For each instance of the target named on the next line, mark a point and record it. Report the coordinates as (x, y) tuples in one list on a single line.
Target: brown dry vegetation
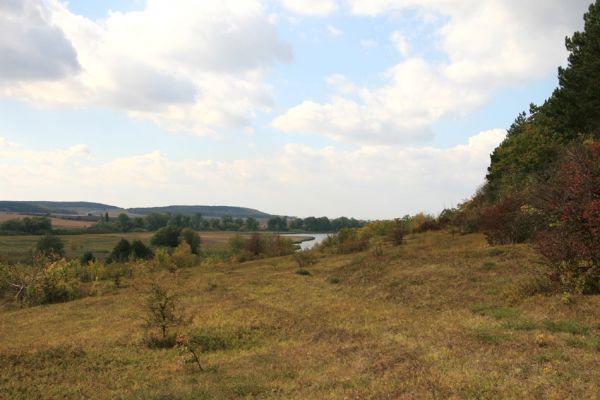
[(439, 317)]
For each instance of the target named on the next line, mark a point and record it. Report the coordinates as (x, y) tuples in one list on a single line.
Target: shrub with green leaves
[(166, 237), (50, 246)]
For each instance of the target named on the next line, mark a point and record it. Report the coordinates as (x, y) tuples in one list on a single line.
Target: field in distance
[(60, 223), (16, 248)]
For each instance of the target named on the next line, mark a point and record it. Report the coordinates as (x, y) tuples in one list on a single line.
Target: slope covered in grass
[(440, 317)]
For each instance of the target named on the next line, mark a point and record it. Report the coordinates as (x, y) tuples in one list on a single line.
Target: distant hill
[(74, 208), (55, 207), (206, 211)]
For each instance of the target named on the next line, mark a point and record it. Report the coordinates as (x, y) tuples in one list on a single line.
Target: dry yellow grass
[(436, 318)]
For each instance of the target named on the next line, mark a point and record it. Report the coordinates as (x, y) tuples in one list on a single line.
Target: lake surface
[(309, 244)]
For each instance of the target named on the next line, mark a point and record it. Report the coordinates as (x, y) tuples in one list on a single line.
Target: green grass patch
[(572, 327), (494, 252), (489, 335), (549, 356), (334, 280), (575, 342), (303, 271), (495, 311), (221, 339), (519, 324), (488, 266)]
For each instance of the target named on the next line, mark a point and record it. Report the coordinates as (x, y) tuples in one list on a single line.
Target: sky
[(361, 108)]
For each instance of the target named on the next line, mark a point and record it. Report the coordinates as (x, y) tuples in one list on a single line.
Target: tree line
[(156, 221)]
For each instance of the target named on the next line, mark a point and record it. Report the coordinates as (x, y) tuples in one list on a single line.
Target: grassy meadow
[(440, 317)]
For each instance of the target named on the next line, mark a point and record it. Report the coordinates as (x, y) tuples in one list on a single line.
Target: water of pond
[(309, 244)]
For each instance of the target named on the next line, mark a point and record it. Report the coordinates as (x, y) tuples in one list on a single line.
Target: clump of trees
[(156, 221), (27, 226), (320, 224), (125, 251), (259, 246), (172, 236)]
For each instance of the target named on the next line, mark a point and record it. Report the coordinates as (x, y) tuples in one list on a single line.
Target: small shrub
[(121, 251), (396, 232), (162, 312), (50, 246), (304, 258), (334, 280), (190, 348), (349, 241), (236, 243), (87, 258), (254, 245), (510, 221), (162, 260), (140, 251), (183, 257), (377, 250), (303, 271), (192, 238)]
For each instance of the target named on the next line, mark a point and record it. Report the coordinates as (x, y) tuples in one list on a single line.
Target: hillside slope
[(439, 317), (84, 207), (56, 207)]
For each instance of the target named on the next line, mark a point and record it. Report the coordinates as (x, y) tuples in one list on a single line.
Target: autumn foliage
[(571, 204)]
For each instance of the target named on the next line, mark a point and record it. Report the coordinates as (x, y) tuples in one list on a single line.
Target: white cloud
[(31, 46), (494, 42), (488, 45), (400, 43), (368, 43), (5, 143), (414, 96), (342, 84), (187, 68), (369, 182), (333, 31), (315, 8)]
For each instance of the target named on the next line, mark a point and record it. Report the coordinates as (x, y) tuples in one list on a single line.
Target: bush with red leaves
[(511, 220), (571, 202)]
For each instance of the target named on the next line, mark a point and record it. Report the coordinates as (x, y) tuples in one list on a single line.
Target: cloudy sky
[(364, 108)]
